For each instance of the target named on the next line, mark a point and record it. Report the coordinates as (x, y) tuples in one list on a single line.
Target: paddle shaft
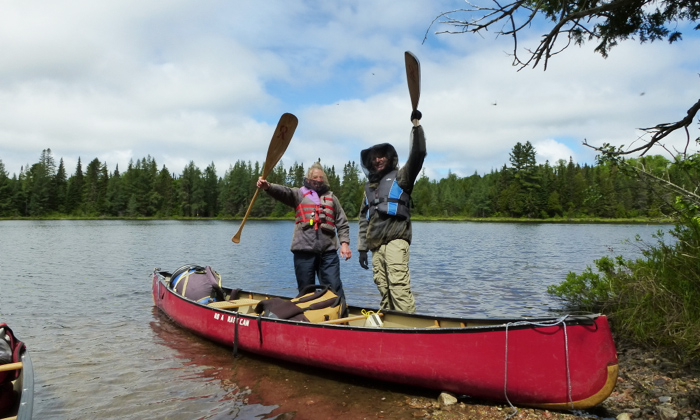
[(237, 237), (278, 145)]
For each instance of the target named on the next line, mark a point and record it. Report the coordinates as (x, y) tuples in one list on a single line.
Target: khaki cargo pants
[(391, 275)]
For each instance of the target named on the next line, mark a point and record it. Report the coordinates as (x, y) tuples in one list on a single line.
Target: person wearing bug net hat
[(385, 217)]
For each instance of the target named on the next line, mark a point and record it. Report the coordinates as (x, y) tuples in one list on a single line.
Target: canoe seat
[(233, 304)]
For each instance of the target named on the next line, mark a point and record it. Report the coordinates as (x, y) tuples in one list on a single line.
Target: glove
[(363, 260), (416, 115)]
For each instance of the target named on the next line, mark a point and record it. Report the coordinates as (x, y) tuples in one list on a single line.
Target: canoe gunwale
[(26, 401), (494, 324)]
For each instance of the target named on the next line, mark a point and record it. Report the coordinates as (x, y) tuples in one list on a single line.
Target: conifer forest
[(520, 189)]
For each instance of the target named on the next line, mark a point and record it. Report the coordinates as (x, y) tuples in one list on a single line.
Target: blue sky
[(206, 81)]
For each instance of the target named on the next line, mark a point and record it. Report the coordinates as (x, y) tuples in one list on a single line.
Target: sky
[(206, 82)]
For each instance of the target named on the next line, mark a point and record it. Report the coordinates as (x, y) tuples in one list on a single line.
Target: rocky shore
[(649, 386)]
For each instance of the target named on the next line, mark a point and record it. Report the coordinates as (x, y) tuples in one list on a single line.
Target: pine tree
[(191, 191), (451, 197), (165, 193), (235, 189), (296, 175), (526, 181), (116, 199), (74, 196), (95, 188), (423, 196), (333, 179), (6, 208), (351, 190), (20, 194), (481, 195), (40, 185), (211, 192), (60, 187)]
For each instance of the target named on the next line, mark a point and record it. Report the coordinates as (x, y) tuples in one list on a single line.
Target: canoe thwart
[(10, 366), (347, 319), (233, 304)]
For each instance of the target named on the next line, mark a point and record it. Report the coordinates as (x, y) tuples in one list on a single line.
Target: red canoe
[(569, 362)]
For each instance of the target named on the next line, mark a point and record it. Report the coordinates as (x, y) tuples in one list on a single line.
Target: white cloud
[(552, 151), (206, 82)]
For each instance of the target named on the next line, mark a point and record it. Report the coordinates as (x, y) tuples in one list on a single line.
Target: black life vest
[(314, 211), (387, 198)]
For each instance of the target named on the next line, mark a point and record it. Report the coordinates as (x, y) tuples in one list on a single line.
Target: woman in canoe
[(321, 227)]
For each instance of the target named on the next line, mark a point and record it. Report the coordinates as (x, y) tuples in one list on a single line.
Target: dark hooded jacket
[(381, 229)]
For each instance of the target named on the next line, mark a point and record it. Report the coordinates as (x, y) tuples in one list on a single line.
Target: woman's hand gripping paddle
[(413, 78), (278, 145)]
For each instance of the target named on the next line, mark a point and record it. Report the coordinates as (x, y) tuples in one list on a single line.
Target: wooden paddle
[(278, 145), (413, 78)]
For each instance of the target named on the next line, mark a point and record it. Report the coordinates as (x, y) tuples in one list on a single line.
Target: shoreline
[(592, 221)]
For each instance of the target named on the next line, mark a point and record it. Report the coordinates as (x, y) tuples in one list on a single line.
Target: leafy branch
[(579, 20)]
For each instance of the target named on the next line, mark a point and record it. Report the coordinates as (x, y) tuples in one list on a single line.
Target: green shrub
[(653, 300)]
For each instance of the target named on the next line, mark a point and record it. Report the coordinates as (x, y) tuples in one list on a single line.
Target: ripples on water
[(501, 270), (78, 293)]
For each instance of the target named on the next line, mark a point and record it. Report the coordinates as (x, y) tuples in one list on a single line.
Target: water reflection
[(247, 387), (213, 385)]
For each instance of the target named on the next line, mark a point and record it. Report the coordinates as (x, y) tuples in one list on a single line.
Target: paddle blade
[(413, 78), (280, 140)]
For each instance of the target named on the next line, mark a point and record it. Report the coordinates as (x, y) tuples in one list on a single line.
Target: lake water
[(78, 293)]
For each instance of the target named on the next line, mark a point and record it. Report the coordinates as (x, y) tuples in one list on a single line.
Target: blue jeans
[(307, 265)]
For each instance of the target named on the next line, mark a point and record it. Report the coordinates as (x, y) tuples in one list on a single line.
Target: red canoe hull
[(561, 365)]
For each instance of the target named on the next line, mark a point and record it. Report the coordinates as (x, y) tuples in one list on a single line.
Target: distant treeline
[(522, 189)]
